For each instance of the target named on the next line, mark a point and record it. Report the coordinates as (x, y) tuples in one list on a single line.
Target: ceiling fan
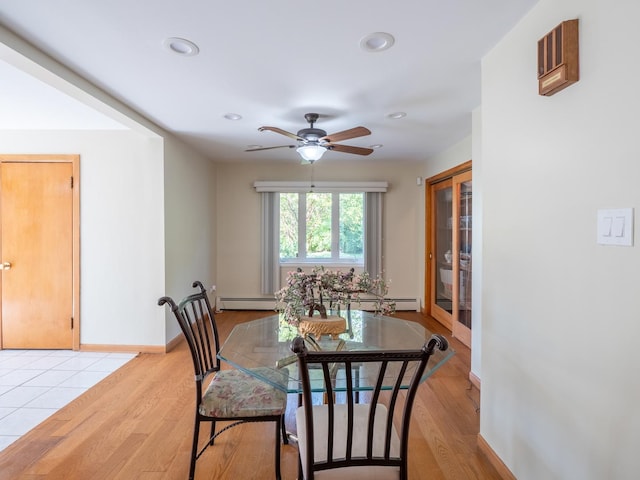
[(313, 142)]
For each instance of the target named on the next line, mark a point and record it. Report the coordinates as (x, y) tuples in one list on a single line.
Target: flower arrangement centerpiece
[(305, 291)]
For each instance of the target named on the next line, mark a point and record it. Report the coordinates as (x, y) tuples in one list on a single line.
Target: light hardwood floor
[(137, 424)]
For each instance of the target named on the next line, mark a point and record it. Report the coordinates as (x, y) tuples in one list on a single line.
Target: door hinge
[(71, 182), (71, 323)]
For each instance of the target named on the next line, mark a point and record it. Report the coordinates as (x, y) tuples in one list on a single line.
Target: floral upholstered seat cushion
[(234, 393)]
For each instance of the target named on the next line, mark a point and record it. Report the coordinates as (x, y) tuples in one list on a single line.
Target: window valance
[(328, 187)]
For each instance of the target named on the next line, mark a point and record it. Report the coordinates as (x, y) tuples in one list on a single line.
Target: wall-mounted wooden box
[(558, 59)]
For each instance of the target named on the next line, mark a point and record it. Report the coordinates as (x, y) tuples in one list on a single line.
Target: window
[(322, 226), (355, 242)]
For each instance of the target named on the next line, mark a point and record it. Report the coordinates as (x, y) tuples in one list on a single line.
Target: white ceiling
[(269, 61)]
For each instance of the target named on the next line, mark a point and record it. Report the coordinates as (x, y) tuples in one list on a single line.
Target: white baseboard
[(261, 303), (226, 303)]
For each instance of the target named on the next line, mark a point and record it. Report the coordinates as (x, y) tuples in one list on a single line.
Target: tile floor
[(34, 384)]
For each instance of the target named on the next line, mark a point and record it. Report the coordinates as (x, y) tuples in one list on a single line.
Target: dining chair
[(354, 440), (224, 395)]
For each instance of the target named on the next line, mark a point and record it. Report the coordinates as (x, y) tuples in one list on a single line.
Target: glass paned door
[(462, 240), (449, 253), (441, 252)]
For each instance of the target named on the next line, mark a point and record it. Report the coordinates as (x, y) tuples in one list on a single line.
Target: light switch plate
[(615, 226)]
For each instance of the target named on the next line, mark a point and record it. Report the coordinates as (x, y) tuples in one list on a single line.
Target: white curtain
[(270, 230), (373, 233)]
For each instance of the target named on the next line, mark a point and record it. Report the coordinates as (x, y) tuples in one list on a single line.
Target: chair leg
[(300, 474), (278, 430), (194, 448), (213, 431), (283, 430), (357, 375)]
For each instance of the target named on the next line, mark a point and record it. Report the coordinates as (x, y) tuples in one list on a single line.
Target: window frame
[(303, 258)]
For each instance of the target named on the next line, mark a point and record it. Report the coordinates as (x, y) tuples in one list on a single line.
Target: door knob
[(6, 266)]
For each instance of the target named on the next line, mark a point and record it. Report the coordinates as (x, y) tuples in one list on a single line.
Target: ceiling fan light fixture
[(311, 153)]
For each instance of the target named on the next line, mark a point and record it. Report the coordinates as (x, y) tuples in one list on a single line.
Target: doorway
[(448, 251), (39, 247)]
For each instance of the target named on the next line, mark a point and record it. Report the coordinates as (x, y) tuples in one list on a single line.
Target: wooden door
[(462, 265), (440, 252), (448, 251), (37, 217)]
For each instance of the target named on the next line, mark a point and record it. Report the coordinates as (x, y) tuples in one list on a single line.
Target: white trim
[(329, 187)]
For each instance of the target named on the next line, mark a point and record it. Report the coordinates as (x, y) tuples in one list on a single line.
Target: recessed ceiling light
[(376, 145), (252, 147), (377, 42), (233, 116), (180, 46), (397, 115)]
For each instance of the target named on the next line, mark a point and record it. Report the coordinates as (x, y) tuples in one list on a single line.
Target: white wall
[(477, 246), (189, 188), (146, 228), (560, 314), (121, 229), (238, 209), (451, 157)]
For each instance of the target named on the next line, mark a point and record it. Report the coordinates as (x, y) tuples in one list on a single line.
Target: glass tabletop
[(262, 347)]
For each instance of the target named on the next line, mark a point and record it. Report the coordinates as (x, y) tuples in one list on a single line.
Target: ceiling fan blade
[(349, 149), (347, 134), (281, 132), (269, 148)]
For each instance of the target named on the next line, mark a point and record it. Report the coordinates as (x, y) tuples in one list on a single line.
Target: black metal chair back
[(222, 395), (338, 437), (198, 324)]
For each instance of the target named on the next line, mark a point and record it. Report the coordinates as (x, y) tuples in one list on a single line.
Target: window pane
[(322, 226), (288, 225), (318, 225), (351, 226)]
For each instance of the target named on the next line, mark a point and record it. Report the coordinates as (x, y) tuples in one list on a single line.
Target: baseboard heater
[(262, 303)]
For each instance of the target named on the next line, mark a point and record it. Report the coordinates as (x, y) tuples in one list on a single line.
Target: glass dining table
[(261, 347)]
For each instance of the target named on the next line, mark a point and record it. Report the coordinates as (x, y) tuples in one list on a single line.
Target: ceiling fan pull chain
[(311, 183)]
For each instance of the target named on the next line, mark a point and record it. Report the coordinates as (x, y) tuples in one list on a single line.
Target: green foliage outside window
[(318, 225), (288, 225), (351, 225)]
